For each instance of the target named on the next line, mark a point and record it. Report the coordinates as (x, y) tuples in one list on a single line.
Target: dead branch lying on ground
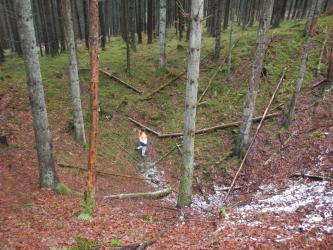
[(318, 83), (204, 130), (148, 195), (165, 85), (117, 79), (100, 172), (314, 177)]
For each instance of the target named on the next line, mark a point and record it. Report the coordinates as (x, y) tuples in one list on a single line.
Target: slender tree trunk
[(298, 83), (101, 8), (86, 19), (230, 48), (161, 63), (185, 185), (2, 53), (94, 80), (80, 14), (150, 21), (262, 37), (73, 72), (139, 21), (132, 23), (47, 174), (311, 15), (330, 68), (218, 30)]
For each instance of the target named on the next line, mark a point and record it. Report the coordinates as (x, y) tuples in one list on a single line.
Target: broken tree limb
[(148, 195), (314, 177), (318, 83), (165, 85), (63, 165), (117, 79), (256, 133), (145, 127)]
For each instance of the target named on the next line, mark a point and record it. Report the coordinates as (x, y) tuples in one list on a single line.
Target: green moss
[(87, 206)]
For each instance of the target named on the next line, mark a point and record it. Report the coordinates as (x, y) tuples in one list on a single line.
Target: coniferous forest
[(166, 124)]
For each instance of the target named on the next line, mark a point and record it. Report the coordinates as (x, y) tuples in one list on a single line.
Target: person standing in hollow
[(143, 141)]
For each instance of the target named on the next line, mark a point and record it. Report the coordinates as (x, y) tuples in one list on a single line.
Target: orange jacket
[(143, 137)]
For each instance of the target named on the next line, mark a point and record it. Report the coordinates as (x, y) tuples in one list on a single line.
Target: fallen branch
[(318, 83), (148, 195), (165, 155), (143, 126), (314, 177), (222, 126), (256, 133), (117, 79), (63, 165), (165, 85)]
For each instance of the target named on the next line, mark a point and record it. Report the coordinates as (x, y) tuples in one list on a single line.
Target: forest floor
[(271, 210)]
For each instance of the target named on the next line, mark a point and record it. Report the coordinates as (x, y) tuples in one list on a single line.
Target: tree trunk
[(94, 80), (47, 174), (218, 19), (161, 63), (185, 185), (262, 37), (298, 83), (80, 15), (330, 68), (150, 22), (139, 21), (315, 6), (2, 53), (73, 72), (101, 8), (132, 23)]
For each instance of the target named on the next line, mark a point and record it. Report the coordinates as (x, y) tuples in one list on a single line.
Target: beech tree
[(73, 72), (249, 107), (94, 80), (46, 166), (185, 185), (161, 62)]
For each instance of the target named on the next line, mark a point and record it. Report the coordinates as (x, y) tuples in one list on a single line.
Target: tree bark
[(47, 174), (218, 25), (185, 185), (161, 62), (262, 38), (73, 72), (94, 80), (132, 14), (80, 15), (101, 7)]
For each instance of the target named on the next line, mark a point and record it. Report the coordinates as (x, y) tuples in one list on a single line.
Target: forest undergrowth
[(26, 211)]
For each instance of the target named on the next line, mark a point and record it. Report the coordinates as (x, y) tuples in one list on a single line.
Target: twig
[(147, 195), (257, 131), (117, 79)]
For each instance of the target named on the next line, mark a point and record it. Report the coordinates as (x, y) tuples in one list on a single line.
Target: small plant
[(150, 219), (84, 244), (63, 189), (61, 223), (86, 208), (318, 134), (116, 243), (223, 212)]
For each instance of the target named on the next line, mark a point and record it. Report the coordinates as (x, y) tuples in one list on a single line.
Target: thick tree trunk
[(161, 62), (73, 72), (262, 37), (94, 80), (185, 185), (47, 174), (139, 21)]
